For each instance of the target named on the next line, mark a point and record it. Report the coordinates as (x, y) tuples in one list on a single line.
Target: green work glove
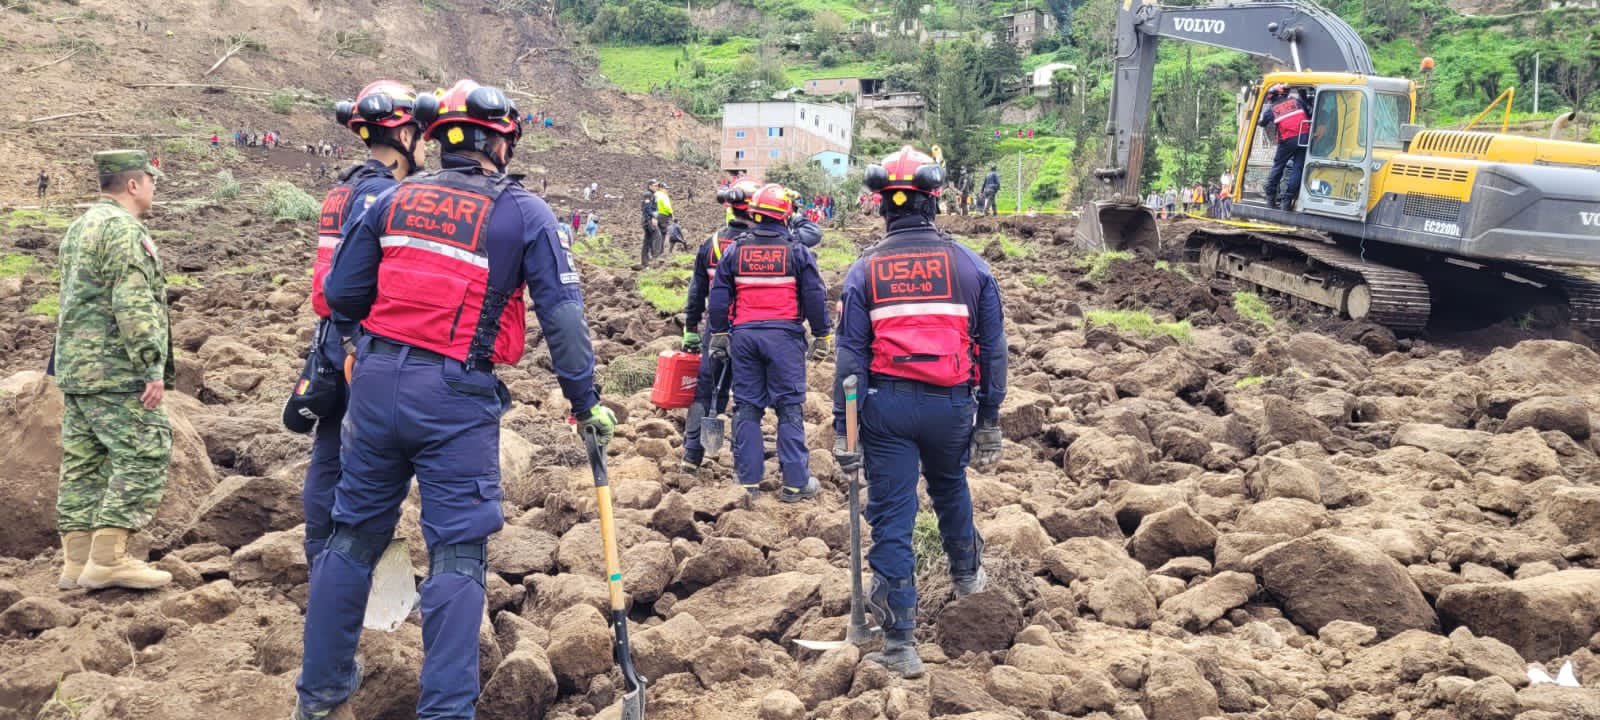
[(691, 341), (602, 421)]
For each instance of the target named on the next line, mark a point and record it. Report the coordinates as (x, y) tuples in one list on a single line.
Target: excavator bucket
[(1110, 226)]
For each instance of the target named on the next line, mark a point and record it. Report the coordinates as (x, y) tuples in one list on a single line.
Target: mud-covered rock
[(1086, 559), (1566, 414), (1123, 600), (1541, 617), (1175, 689), (729, 608), (240, 509), (1098, 457), (952, 694), (580, 646), (522, 686), (1210, 600), (1322, 578), (205, 604), (719, 558), (982, 622), (661, 650), (1521, 455), (518, 551), (36, 614), (1287, 423), (1171, 533)]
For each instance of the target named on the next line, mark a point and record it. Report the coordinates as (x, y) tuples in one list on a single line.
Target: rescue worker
[(922, 326), (112, 361), (666, 226), (436, 273), (737, 199), (766, 283), (802, 229), (991, 190), (1289, 115), (652, 231), (44, 184), (383, 116)]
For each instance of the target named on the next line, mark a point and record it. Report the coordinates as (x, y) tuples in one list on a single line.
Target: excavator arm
[(1294, 33)]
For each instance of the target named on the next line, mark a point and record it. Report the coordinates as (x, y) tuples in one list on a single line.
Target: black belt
[(882, 382), (385, 346)]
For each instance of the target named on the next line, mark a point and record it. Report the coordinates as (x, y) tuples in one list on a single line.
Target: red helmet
[(383, 103), (468, 103), (772, 201), (739, 194), (906, 169)]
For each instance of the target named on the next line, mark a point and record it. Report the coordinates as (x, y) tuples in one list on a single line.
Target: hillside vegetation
[(740, 50)]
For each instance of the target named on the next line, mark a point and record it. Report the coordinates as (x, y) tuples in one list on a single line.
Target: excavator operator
[(1289, 114)]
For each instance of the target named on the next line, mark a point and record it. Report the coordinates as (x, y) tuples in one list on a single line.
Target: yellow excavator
[(1390, 217)]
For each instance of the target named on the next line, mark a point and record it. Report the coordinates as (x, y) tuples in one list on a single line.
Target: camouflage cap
[(110, 162)]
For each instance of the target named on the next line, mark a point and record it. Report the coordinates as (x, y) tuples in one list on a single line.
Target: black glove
[(848, 461), (986, 445), (719, 344), (820, 347)]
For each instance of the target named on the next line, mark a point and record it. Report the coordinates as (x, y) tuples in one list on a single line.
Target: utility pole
[(1536, 83)]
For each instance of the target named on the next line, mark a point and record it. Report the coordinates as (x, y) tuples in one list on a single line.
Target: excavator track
[(1321, 273), (1582, 294)]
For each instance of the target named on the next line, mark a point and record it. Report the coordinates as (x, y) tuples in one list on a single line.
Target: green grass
[(835, 253), (628, 374), (36, 219), (182, 280), (926, 543), (286, 201), (1013, 249), (49, 305), (636, 68), (1038, 279), (666, 287), (1251, 307), (1248, 382), (1098, 263), (604, 253), (227, 187), (1179, 270), (1141, 323), (14, 265)]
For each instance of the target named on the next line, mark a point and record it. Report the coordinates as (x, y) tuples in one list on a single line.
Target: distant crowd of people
[(1214, 200)]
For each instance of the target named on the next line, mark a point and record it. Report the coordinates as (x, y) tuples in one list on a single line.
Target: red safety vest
[(765, 287), (1290, 117), (920, 324), (433, 281)]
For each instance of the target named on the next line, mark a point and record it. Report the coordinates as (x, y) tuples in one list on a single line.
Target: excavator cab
[(1357, 124)]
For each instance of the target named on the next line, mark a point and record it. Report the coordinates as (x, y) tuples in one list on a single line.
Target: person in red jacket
[(1290, 116), (766, 285), (439, 273), (382, 114)]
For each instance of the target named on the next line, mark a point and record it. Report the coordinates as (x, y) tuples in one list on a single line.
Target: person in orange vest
[(1290, 116)]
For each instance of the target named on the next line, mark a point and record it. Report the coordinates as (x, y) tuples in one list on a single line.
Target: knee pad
[(791, 414), (889, 604), (364, 548), (748, 412), (469, 559)]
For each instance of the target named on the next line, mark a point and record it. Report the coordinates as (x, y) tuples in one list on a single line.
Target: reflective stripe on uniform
[(915, 309), (746, 280), (454, 253)]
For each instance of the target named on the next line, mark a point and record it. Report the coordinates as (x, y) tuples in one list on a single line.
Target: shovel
[(633, 685), (859, 632), (394, 589), (712, 427)]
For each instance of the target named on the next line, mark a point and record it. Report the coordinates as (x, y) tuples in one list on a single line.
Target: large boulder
[(1208, 601), (1287, 423), (1575, 511), (1522, 455), (1562, 414), (1098, 457), (523, 686), (1174, 532), (1175, 689), (30, 428), (1438, 438), (1087, 558), (1540, 617), (1536, 368), (1167, 372), (758, 606), (241, 509), (1322, 577)]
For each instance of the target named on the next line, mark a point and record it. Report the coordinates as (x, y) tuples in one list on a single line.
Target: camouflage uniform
[(112, 338)]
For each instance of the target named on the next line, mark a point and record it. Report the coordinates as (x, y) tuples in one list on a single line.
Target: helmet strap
[(407, 151)]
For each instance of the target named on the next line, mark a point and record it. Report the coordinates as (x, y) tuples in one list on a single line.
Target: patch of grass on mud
[(926, 543), (1248, 382), (1038, 279), (36, 219), (1097, 263), (182, 280), (1179, 270), (286, 201), (1141, 324), (49, 306), (1251, 307), (14, 265), (666, 287), (227, 187), (835, 253), (628, 374), (1012, 249)]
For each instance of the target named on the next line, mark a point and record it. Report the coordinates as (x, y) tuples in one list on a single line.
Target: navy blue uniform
[(1291, 117), (922, 323), (705, 271), (766, 283), (440, 253), (366, 182)]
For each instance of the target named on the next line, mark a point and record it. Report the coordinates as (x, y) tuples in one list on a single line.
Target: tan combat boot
[(110, 566), (75, 552)]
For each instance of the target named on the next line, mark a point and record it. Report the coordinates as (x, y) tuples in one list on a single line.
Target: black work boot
[(899, 654), (691, 459)]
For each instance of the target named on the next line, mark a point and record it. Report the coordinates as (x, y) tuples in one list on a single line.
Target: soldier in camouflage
[(112, 359)]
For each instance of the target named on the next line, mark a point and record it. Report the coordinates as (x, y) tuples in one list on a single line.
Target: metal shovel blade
[(820, 644), (633, 705), (394, 589), (712, 429)]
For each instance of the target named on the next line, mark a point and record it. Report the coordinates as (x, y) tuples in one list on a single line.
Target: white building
[(756, 136)]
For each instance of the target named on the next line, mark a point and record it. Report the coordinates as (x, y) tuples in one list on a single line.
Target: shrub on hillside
[(285, 201)]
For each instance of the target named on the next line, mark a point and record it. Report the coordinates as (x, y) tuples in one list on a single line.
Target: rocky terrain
[(1303, 520)]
